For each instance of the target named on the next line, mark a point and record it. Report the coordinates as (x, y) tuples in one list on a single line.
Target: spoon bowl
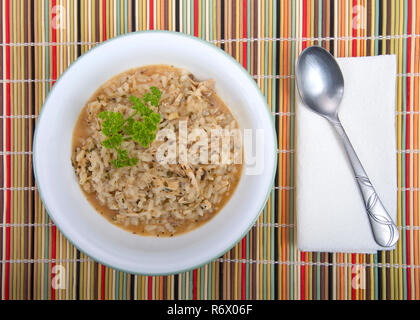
[(320, 81)]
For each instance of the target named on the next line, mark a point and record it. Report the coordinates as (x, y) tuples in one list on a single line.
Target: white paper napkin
[(331, 216)]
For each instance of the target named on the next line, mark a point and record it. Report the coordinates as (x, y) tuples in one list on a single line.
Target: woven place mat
[(40, 39)]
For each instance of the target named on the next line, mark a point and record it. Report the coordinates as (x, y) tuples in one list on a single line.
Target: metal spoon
[(321, 86)]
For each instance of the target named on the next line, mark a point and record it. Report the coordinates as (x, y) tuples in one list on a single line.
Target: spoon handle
[(384, 229)]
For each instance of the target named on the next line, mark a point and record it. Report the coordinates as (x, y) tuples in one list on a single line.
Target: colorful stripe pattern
[(40, 39)]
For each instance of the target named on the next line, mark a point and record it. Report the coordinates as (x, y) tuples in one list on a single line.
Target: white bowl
[(58, 186)]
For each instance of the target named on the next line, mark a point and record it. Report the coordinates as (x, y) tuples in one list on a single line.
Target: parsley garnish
[(116, 129), (123, 160)]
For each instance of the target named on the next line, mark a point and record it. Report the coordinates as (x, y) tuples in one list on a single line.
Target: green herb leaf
[(156, 92), (155, 117), (113, 141), (150, 124), (153, 97), (117, 129), (123, 160), (113, 122), (128, 129), (140, 106)]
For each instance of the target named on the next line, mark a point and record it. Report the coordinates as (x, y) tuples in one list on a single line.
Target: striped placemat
[(40, 39)]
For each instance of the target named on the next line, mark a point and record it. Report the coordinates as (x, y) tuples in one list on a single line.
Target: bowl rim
[(274, 169)]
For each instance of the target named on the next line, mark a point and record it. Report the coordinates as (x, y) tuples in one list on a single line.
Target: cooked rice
[(164, 199)]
